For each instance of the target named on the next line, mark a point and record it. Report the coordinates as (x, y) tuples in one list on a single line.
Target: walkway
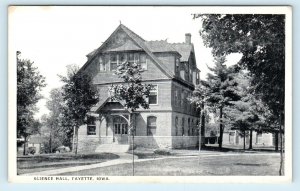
[(126, 158)]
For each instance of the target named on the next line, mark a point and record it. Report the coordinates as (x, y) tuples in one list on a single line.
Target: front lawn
[(37, 163), (239, 165)]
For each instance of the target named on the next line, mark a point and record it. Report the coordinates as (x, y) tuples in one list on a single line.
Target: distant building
[(258, 139), (171, 120), (37, 142)]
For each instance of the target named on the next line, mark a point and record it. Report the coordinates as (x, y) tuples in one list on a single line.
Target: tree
[(261, 41), (221, 89), (29, 85), (54, 120), (132, 93), (79, 95)]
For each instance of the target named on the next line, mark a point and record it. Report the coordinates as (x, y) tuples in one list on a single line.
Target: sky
[(56, 36)]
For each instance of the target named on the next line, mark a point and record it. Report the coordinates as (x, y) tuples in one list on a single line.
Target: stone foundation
[(165, 141), (90, 144)]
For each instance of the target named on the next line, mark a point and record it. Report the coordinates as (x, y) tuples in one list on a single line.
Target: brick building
[(171, 120)]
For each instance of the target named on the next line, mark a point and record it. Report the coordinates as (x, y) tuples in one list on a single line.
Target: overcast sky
[(54, 37)]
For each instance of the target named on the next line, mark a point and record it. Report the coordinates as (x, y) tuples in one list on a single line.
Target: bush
[(31, 150), (162, 152)]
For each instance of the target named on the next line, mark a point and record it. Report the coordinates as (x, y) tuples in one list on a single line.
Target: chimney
[(188, 38)]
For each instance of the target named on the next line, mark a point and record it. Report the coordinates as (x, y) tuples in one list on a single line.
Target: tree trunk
[(281, 171), (244, 139), (200, 132), (131, 128), (76, 134), (203, 125), (24, 147), (276, 141), (221, 128), (50, 141), (250, 141)]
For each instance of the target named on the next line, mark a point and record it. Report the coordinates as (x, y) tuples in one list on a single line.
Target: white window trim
[(156, 96)]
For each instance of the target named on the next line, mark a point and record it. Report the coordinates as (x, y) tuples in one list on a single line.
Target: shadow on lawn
[(239, 150)]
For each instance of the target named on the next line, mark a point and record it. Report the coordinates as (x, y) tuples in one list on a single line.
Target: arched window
[(182, 126), (176, 126), (151, 125)]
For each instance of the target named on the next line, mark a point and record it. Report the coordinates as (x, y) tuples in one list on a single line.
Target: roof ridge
[(126, 28)]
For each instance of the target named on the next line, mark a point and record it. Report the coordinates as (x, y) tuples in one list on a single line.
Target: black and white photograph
[(116, 94)]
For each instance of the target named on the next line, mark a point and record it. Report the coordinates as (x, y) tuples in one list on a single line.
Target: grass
[(241, 165), (37, 163)]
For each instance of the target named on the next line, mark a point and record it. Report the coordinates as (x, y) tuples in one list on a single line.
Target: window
[(176, 126), (189, 127), (153, 95), (191, 75), (143, 61), (182, 99), (176, 97), (131, 58), (122, 58), (91, 125), (102, 65), (182, 126), (113, 62), (136, 57), (177, 62), (259, 139), (151, 125), (121, 128), (193, 127)]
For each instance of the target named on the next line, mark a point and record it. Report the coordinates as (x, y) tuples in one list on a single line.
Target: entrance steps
[(112, 148)]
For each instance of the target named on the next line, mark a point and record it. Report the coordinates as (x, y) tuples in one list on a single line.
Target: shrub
[(31, 150), (162, 152)]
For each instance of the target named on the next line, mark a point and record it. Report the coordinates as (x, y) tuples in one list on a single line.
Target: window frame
[(102, 63), (177, 65), (90, 125), (176, 126), (156, 96), (182, 126), (149, 127), (113, 62), (145, 63)]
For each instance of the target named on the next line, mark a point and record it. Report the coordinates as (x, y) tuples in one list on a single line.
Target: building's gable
[(123, 40), (120, 42)]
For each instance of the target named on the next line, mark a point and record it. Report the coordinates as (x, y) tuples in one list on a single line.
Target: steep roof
[(184, 49), (160, 46), (150, 47), (141, 42)]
